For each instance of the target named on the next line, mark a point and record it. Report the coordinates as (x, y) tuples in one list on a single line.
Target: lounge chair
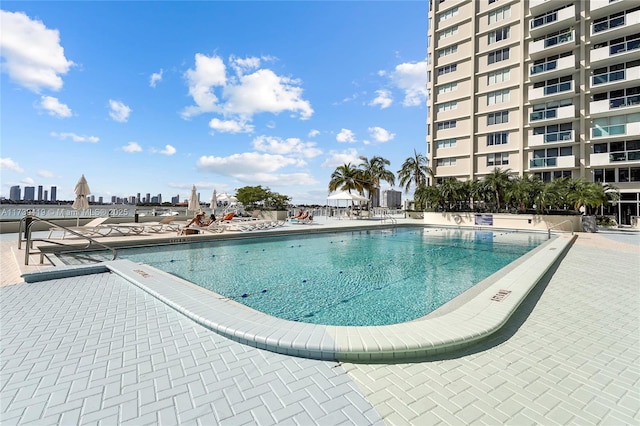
[(91, 228), (306, 218), (120, 229), (215, 228), (163, 225)]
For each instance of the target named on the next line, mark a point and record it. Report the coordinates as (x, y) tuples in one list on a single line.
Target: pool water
[(353, 278)]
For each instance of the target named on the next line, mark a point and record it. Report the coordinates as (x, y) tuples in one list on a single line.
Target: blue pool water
[(356, 278)]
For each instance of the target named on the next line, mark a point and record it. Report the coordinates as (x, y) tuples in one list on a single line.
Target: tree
[(252, 196), (414, 171), (372, 171), (452, 191), (345, 178), (428, 195), (497, 182)]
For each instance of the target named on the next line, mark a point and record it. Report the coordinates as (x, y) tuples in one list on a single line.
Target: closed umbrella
[(194, 203), (81, 190), (214, 202)]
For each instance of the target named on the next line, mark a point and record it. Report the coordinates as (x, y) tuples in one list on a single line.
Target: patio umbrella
[(194, 203), (81, 190), (214, 201)]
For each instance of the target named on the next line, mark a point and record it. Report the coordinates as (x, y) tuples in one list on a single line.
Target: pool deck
[(96, 348)]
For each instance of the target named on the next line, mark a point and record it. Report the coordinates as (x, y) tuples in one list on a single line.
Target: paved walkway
[(96, 349)]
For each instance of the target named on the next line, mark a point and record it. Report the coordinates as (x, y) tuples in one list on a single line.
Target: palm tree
[(345, 178), (414, 171), (372, 171), (497, 182), (452, 191), (428, 195)]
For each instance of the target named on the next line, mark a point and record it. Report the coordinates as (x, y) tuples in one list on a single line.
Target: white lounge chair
[(91, 228)]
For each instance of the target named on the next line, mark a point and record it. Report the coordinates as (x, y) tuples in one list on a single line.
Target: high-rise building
[(39, 193), (54, 193), (15, 194), (29, 193), (391, 199), (46, 195), (544, 88)]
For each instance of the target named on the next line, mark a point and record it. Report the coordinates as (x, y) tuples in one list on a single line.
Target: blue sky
[(154, 97)]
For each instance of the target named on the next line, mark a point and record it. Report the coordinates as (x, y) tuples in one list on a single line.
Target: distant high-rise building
[(15, 194), (54, 193), (540, 88), (113, 199), (29, 193), (175, 200), (100, 200), (137, 198), (391, 199), (159, 199), (91, 198), (46, 195), (147, 198), (39, 193), (134, 200)]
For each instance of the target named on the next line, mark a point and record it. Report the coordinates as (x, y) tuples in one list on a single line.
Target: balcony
[(551, 162), (540, 6), (559, 113), (615, 131), (552, 45), (615, 78), (552, 21), (606, 7), (608, 158), (615, 53), (550, 91), (616, 104), (552, 68), (542, 139), (615, 27)]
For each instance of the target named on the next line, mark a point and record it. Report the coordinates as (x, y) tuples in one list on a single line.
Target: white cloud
[(242, 95), (32, 54), (155, 78), (346, 136), (313, 133), (289, 146), (54, 107), (247, 163), (380, 135), (9, 164), (281, 179), (132, 147), (208, 73), (230, 126), (384, 99), (74, 137), (119, 111), (28, 181), (45, 174), (412, 79), (338, 158), (168, 150)]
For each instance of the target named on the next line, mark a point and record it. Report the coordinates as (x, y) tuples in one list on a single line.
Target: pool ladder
[(386, 216)]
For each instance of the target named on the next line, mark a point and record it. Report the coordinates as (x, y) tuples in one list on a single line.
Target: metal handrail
[(386, 215), (564, 221), (29, 241)]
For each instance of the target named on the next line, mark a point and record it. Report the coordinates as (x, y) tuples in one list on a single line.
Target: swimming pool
[(354, 278)]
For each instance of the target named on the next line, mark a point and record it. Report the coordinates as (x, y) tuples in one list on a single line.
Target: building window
[(498, 138), (448, 87), (498, 117), (620, 98), (612, 73), (498, 35), (498, 97), (447, 14), (498, 76), (498, 55), (546, 18), (447, 69), (555, 132), (446, 162), (547, 64), (449, 50), (499, 14), (448, 124), (498, 159), (548, 110), (447, 143), (556, 37), (549, 157), (447, 106), (556, 174), (448, 32), (555, 85), (620, 45)]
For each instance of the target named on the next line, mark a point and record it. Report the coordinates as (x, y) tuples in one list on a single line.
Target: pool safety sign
[(484, 219)]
